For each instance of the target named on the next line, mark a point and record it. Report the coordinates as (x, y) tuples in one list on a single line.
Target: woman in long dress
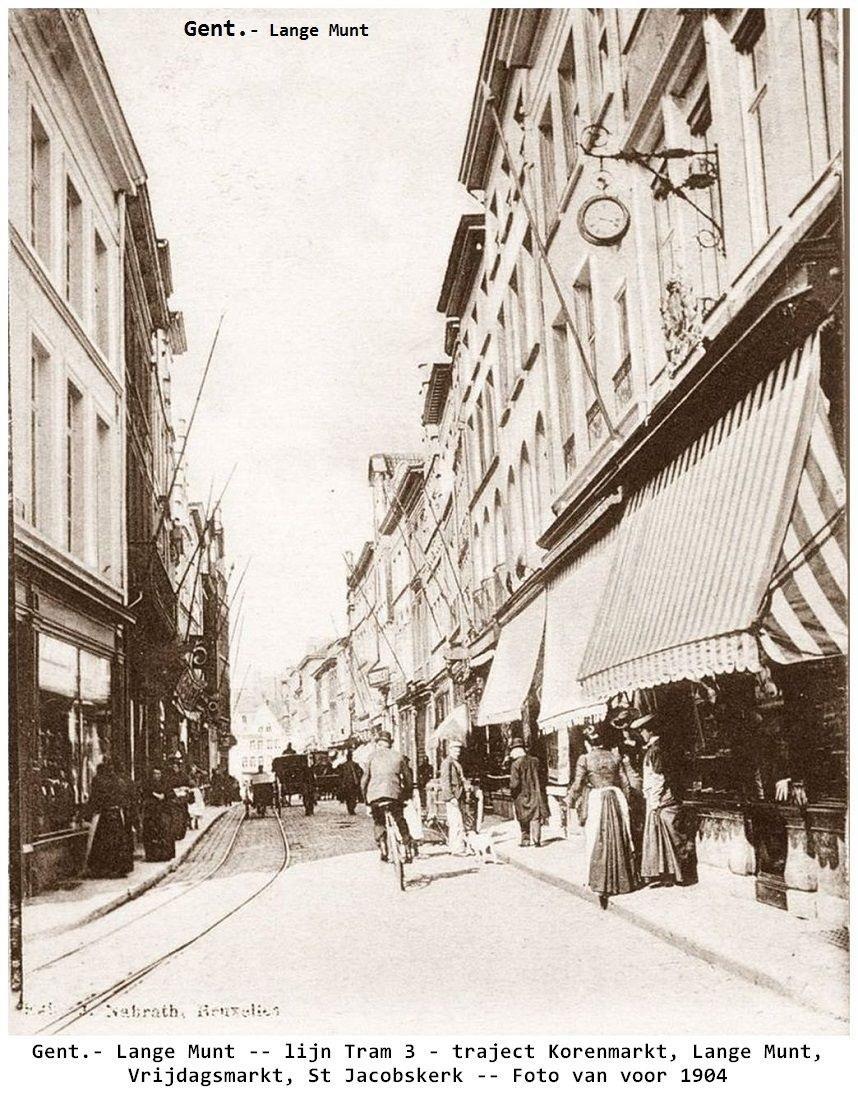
[(158, 841), (600, 776), (110, 851), (668, 854)]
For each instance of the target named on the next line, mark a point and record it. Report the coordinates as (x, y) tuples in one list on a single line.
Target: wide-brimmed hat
[(640, 723), (516, 743), (622, 717), (384, 735)]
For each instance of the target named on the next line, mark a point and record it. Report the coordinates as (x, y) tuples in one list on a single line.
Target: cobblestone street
[(331, 945)]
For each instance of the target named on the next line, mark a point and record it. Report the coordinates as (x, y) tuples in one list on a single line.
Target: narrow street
[(331, 945)]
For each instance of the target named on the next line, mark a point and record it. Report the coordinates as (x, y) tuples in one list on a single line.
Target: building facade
[(101, 652), (631, 487), (73, 165)]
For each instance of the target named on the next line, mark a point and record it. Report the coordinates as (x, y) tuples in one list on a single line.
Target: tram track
[(97, 999)]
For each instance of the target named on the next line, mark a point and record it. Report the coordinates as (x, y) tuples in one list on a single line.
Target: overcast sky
[(309, 190)]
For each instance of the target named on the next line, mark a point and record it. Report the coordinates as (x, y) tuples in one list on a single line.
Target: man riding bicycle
[(387, 784)]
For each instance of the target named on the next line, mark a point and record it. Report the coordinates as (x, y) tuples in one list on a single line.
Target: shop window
[(40, 189), (73, 733), (73, 248)]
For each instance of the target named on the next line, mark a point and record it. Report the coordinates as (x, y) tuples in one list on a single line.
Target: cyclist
[(387, 783)]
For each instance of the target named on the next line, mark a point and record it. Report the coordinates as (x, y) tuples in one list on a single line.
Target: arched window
[(513, 508), (488, 546), (541, 473), (500, 530), (491, 421), (525, 474), (477, 560)]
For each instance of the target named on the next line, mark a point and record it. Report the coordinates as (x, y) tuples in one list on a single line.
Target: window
[(548, 169), (595, 425), (665, 231), (752, 44), (491, 421), (104, 497), (563, 376), (623, 375), (599, 49), (819, 35), (74, 470), (583, 298), (528, 507), (40, 188), (503, 355), (73, 270), (570, 110), (39, 432), (73, 732), (100, 288), (708, 273)]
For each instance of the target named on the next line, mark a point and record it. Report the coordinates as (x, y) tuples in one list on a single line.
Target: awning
[(453, 728), (573, 601), (514, 665), (806, 614), (699, 543)]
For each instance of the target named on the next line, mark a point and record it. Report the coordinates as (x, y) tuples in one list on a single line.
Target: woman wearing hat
[(600, 776), (666, 856)]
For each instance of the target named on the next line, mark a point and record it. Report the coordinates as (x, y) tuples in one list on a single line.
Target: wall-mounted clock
[(603, 220)]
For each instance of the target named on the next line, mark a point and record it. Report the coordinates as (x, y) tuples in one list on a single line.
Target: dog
[(481, 845)]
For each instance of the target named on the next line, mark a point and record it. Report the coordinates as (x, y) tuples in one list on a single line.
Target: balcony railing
[(489, 595)]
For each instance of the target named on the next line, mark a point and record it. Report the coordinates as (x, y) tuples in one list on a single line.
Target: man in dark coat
[(387, 784), (528, 795), (351, 774)]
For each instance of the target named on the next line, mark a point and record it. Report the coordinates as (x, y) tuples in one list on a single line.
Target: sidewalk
[(792, 957), (82, 900)]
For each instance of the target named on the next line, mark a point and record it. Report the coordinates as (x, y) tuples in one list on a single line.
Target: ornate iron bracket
[(703, 174)]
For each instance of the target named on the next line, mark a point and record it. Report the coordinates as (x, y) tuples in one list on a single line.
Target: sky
[(309, 191)]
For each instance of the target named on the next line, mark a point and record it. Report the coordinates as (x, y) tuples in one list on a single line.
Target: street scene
[(429, 555)]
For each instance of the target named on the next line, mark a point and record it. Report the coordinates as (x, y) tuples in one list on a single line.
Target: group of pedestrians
[(628, 809), (159, 811)]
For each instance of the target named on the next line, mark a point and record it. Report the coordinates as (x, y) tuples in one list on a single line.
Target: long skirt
[(158, 840), (667, 851), (111, 847), (608, 843)]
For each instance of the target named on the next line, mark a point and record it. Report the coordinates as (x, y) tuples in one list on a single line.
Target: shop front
[(68, 706), (725, 613)]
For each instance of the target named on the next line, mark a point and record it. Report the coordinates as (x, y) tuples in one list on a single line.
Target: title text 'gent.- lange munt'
[(229, 29)]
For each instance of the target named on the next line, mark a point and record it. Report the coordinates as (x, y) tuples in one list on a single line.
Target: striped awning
[(699, 543), (574, 597), (514, 665), (805, 612)]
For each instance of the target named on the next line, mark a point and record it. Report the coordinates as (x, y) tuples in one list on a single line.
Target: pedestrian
[(158, 842), (454, 791), (196, 805), (601, 787), (178, 800), (110, 848), (350, 773), (424, 774), (387, 785), (631, 749), (528, 795), (667, 856)]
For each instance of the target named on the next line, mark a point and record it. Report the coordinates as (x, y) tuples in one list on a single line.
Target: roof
[(462, 264), (437, 389), (509, 41)]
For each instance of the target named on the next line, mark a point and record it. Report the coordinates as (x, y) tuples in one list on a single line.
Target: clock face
[(603, 220)]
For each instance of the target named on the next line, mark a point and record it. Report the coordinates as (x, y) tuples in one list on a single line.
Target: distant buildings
[(260, 736), (105, 623)]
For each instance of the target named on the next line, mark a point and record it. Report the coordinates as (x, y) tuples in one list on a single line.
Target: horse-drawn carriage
[(264, 793), (295, 777)]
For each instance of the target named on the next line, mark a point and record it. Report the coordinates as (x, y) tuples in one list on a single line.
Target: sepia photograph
[(427, 534)]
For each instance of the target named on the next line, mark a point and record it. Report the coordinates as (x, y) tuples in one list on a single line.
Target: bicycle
[(396, 853)]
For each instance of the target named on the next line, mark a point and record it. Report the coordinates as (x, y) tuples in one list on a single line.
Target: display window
[(73, 733)]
